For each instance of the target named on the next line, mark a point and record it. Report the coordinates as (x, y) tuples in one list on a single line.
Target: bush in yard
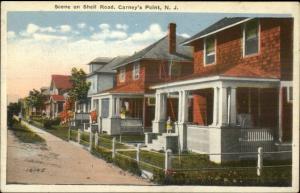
[(49, 123), (127, 164), (102, 153)]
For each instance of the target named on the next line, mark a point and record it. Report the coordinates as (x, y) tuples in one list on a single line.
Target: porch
[(222, 116), (121, 113)]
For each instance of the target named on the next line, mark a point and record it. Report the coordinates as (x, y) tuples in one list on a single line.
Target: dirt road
[(60, 162)]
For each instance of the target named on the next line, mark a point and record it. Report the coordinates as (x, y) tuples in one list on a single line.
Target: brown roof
[(62, 81), (57, 97)]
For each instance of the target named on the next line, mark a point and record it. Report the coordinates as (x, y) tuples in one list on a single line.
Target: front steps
[(164, 141)]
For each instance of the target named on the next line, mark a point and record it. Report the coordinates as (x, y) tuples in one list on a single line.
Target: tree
[(35, 99), (12, 109), (80, 87)]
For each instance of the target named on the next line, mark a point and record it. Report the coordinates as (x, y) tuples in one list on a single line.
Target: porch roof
[(207, 79), (132, 89), (57, 98), (239, 71)]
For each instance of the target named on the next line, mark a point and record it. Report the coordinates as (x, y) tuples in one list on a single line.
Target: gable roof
[(222, 24), (100, 60), (109, 67), (160, 50), (62, 81)]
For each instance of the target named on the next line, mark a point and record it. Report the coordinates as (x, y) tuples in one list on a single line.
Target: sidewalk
[(60, 162)]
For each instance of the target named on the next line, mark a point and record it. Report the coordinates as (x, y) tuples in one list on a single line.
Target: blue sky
[(45, 43)]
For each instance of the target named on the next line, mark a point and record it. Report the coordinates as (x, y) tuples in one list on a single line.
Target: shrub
[(127, 164), (102, 153), (49, 123)]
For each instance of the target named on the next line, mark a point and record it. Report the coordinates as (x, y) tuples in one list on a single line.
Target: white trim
[(288, 94), (243, 39), (229, 26), (149, 103), (204, 51), (213, 78)]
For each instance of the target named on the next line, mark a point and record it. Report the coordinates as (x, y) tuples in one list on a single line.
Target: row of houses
[(226, 89)]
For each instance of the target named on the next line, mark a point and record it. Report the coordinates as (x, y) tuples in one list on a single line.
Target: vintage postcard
[(149, 96)]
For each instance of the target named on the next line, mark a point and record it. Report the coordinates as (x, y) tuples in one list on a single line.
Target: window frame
[(122, 74), (244, 38), (204, 50), (289, 94), (172, 65), (136, 71)]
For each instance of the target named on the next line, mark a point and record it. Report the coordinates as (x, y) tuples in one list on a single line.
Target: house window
[(209, 50), (122, 75), (136, 71), (251, 37), (174, 69), (289, 94), (94, 84), (151, 101)]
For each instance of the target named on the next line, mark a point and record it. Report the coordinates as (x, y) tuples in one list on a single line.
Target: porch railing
[(131, 125), (82, 116), (251, 139)]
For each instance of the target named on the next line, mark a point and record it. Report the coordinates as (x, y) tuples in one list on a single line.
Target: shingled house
[(240, 94), (59, 87), (129, 107)]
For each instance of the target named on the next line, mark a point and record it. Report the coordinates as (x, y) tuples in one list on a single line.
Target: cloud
[(107, 34), (31, 60), (81, 25), (65, 28), (122, 26), (91, 28), (11, 34), (104, 26), (47, 29), (32, 28), (154, 32), (48, 38), (185, 35)]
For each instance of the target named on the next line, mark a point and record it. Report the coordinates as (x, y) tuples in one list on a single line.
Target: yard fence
[(166, 162)]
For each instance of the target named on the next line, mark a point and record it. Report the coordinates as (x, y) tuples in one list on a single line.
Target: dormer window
[(136, 71), (209, 50), (122, 74), (251, 37)]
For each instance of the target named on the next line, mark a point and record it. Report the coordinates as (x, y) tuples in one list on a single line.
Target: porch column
[(92, 104), (280, 113), (183, 107), (160, 113), (223, 107), (216, 106), (117, 105), (232, 106), (99, 114), (111, 107), (182, 119)]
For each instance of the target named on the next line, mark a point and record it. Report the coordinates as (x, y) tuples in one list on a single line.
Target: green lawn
[(126, 138), (57, 130), (25, 135), (196, 169)]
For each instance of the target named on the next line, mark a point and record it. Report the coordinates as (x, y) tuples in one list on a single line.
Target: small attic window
[(209, 50), (136, 71), (122, 74), (251, 37)]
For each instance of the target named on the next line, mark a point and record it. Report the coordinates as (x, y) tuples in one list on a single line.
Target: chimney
[(172, 38)]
